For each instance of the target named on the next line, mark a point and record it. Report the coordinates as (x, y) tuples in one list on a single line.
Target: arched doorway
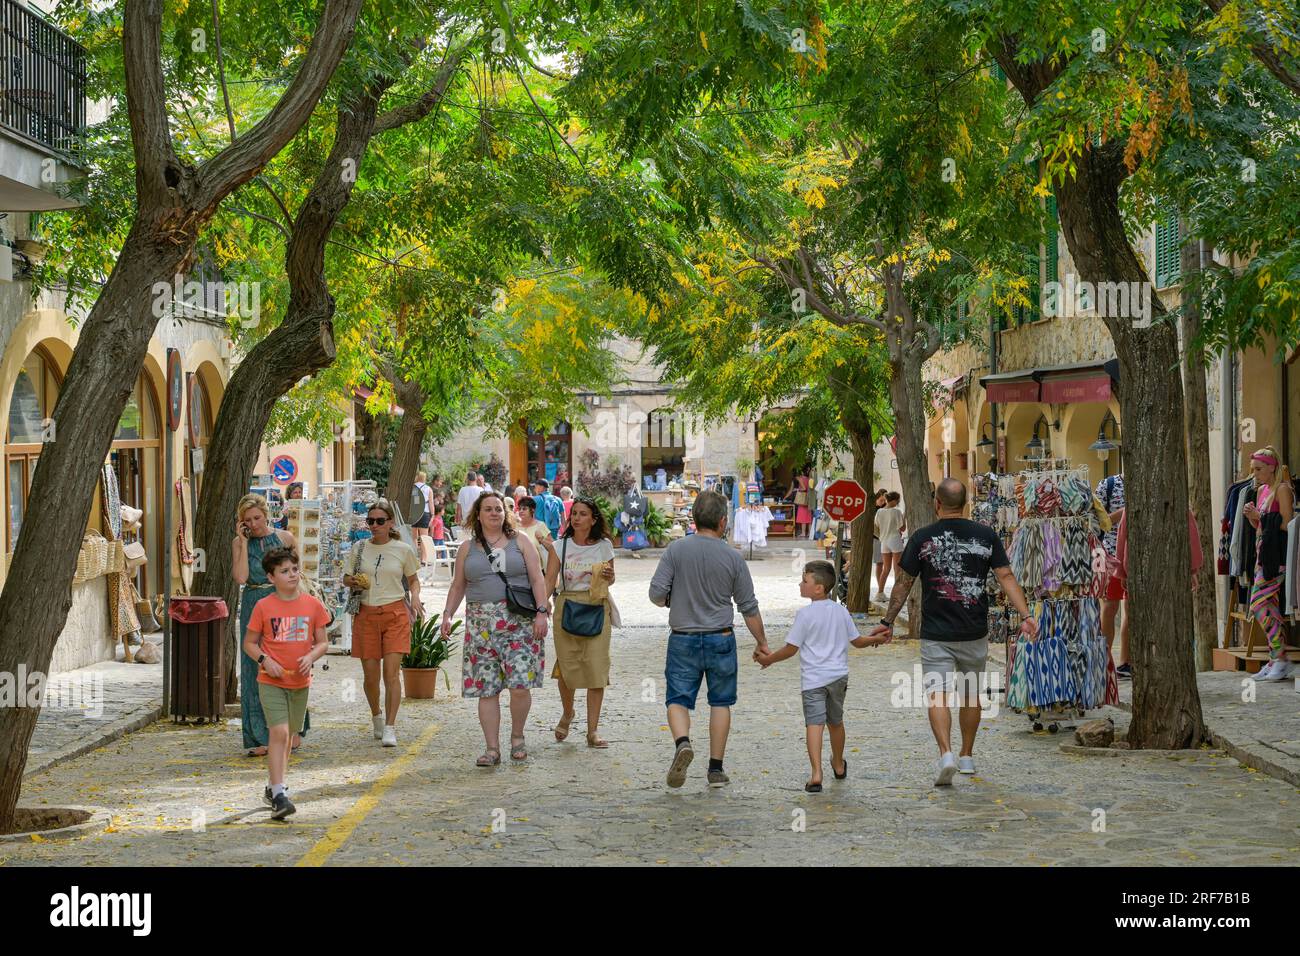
[(136, 457), (31, 404)]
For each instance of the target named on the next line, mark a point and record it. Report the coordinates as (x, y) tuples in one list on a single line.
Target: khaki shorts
[(953, 665), (825, 705), (281, 705)]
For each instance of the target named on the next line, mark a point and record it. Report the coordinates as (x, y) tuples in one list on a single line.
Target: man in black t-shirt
[(953, 558)]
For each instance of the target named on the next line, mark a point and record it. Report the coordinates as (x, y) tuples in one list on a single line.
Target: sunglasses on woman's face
[(376, 521)]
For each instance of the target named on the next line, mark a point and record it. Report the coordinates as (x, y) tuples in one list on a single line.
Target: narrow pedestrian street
[(185, 795)]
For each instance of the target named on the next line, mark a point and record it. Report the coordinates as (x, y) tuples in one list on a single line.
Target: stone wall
[(85, 636)]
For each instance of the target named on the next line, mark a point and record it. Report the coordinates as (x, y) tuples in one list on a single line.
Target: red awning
[(1002, 392), (1087, 388)]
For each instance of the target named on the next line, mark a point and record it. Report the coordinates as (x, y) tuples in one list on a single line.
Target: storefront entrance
[(550, 455)]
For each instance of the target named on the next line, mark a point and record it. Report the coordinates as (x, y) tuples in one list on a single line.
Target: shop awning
[(953, 388), (1055, 384)]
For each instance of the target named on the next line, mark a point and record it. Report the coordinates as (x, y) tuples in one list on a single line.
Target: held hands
[(884, 632)]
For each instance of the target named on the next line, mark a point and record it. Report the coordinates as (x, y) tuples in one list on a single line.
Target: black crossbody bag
[(580, 620), (519, 600)]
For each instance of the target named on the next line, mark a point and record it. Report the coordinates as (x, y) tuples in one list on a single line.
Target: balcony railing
[(42, 79)]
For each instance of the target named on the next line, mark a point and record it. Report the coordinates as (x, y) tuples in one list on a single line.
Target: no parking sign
[(283, 469)]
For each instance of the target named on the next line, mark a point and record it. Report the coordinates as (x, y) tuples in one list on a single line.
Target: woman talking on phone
[(254, 538)]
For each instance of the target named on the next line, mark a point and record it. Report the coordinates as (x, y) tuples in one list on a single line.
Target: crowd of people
[(543, 569)]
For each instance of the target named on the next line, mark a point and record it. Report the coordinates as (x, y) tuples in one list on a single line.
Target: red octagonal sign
[(844, 500)]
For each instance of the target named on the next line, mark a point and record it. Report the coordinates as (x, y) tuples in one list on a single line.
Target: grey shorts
[(825, 705), (945, 665), (875, 551)]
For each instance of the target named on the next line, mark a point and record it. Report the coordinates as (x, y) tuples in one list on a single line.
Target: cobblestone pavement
[(185, 795)]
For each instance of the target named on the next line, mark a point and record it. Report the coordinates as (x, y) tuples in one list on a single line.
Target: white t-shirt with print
[(578, 560), (822, 632)]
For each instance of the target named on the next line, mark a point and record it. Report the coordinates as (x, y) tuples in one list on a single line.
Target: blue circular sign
[(284, 469)]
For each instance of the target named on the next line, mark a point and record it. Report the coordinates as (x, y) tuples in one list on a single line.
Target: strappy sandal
[(562, 728), (257, 751), (489, 758), (593, 740), (518, 751), (812, 788), (841, 776)]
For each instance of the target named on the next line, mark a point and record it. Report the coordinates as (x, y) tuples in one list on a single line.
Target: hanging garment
[(1076, 653), (1242, 549), (1018, 657), (1051, 679), (741, 526), (1053, 553), (121, 595), (1227, 525)]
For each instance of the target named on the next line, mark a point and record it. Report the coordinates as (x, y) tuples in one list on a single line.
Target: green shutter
[(998, 73), (1052, 250), (1168, 252)]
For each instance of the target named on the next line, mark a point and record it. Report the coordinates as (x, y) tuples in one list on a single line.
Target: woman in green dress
[(255, 537)]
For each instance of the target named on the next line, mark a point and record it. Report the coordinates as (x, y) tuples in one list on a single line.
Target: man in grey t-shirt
[(698, 579)]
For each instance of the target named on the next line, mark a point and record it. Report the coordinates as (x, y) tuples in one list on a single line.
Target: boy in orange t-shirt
[(286, 636)]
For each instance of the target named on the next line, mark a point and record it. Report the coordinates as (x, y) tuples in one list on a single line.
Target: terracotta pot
[(419, 683)]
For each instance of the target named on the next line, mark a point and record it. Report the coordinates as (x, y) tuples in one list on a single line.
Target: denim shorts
[(693, 657)]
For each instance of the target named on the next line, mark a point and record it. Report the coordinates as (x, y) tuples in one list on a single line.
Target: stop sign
[(844, 500)]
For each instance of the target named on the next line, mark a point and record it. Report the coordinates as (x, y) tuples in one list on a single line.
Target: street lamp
[(1104, 445), (987, 445)]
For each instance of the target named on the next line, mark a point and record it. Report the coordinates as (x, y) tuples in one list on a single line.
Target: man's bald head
[(951, 494)]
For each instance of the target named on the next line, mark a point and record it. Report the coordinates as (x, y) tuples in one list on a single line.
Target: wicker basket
[(115, 562), (92, 559)]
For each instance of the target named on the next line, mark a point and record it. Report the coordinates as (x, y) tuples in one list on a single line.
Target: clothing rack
[(1068, 671)]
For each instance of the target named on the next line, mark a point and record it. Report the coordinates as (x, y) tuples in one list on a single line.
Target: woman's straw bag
[(116, 560), (92, 559)]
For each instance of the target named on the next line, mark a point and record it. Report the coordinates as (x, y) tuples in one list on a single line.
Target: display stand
[(1048, 512), (305, 526), (343, 506)]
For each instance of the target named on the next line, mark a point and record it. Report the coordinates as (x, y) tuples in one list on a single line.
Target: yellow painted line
[(339, 833)]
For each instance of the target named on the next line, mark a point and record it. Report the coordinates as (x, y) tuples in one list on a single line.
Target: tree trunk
[(406, 453), (861, 569), (906, 398), (1166, 703), (1205, 613)]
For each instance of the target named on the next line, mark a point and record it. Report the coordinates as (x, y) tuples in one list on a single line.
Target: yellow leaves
[(815, 199), (1042, 189), (704, 40)]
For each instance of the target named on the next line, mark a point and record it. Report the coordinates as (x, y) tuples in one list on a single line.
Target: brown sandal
[(489, 758), (562, 728), (593, 740)]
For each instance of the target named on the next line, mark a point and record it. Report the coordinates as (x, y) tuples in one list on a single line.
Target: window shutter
[(1168, 263), (998, 73), (1052, 250)]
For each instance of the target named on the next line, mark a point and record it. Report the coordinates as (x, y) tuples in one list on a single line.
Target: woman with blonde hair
[(254, 538), (504, 649), (1269, 514)]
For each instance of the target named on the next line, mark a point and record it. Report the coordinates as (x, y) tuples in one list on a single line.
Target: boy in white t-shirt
[(823, 631)]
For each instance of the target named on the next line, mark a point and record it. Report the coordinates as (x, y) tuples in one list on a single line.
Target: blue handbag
[(580, 620), (635, 540)]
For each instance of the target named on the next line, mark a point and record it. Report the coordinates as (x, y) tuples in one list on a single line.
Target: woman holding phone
[(255, 537)]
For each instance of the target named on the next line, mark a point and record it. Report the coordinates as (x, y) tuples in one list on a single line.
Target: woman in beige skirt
[(587, 556)]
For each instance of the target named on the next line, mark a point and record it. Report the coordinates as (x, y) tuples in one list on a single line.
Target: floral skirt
[(500, 651)]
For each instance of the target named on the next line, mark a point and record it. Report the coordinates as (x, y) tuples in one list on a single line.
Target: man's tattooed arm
[(898, 597)]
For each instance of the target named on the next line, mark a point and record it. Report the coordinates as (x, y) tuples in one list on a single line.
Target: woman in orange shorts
[(384, 567)]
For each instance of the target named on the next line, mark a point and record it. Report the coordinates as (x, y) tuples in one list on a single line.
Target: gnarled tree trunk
[(1166, 703), (410, 439), (174, 201)]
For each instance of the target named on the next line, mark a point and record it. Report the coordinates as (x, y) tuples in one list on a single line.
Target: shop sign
[(1062, 391), (1001, 393)]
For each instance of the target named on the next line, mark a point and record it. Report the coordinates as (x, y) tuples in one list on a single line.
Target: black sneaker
[(281, 807), (681, 760), (266, 795), (1124, 672)]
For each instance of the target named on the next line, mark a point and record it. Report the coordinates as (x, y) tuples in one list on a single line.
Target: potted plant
[(429, 651), (745, 468)]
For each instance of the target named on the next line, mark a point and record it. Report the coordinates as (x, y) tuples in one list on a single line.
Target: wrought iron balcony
[(43, 72)]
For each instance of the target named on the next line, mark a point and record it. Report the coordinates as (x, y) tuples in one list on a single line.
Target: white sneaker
[(1275, 671), (947, 770), (390, 736), (966, 764), (377, 723)]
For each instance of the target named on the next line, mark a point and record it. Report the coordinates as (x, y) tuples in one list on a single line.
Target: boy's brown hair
[(276, 557), (823, 573)]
